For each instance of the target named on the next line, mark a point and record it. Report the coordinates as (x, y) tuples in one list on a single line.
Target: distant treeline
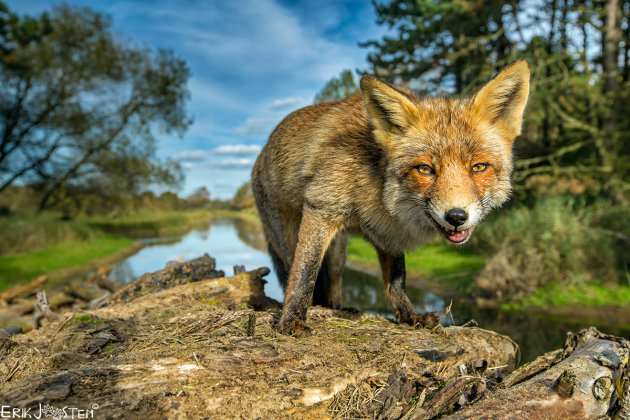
[(26, 198)]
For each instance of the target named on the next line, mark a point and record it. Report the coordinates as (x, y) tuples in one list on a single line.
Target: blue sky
[(252, 62)]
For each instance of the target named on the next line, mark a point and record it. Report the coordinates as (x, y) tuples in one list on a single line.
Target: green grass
[(23, 267), (439, 263), (28, 232), (34, 244), (150, 223), (574, 295), (87, 318)]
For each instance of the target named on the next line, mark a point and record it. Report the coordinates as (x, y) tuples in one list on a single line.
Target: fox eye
[(425, 169), (479, 167)]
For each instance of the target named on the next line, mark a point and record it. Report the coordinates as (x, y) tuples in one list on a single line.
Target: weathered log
[(174, 274), (44, 307), (231, 292), (101, 279), (102, 271), (586, 380), (59, 299), (83, 290), (185, 351), (22, 290), (178, 346), (22, 306), (10, 318)]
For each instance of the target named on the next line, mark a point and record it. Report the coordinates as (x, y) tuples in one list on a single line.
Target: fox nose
[(456, 217)]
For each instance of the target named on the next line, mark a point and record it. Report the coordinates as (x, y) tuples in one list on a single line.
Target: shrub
[(560, 240)]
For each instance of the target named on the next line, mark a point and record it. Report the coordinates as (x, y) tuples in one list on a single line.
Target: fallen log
[(586, 380), (101, 279), (22, 290), (44, 307), (175, 273), (208, 349)]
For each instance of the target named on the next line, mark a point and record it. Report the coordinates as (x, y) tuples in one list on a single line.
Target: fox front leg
[(393, 269), (315, 235)]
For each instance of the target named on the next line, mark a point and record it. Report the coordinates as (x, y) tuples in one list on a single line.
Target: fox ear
[(388, 108), (503, 99)]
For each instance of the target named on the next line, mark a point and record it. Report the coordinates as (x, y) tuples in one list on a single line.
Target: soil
[(180, 344), (188, 342)]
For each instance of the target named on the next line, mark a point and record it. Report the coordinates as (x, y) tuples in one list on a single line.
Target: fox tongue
[(456, 236)]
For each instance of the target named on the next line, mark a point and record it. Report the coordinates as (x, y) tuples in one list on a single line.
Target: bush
[(560, 240)]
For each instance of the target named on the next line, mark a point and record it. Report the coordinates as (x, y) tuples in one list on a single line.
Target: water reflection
[(224, 240), (241, 241), (365, 291), (535, 334)]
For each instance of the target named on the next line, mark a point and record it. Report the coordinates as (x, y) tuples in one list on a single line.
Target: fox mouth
[(457, 236), (454, 236)]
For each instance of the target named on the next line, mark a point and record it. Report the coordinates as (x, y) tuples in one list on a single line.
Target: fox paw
[(428, 320), (296, 328)]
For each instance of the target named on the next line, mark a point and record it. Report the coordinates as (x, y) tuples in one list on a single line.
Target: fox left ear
[(503, 99), (389, 109)]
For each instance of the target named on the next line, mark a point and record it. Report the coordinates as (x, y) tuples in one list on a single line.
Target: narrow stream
[(238, 241)]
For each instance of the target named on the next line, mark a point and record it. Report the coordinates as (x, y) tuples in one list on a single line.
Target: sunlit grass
[(23, 267), (435, 262), (574, 295), (28, 232), (34, 244), (153, 222)]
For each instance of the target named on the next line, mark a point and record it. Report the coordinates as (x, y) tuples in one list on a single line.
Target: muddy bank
[(188, 342)]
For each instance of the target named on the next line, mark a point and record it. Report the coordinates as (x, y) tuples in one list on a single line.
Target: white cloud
[(237, 149), (190, 156), (253, 126), (291, 102), (241, 163), (188, 165)]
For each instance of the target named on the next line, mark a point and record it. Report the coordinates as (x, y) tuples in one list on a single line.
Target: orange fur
[(353, 166)]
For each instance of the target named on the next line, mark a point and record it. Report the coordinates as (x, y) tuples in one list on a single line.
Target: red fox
[(391, 166)]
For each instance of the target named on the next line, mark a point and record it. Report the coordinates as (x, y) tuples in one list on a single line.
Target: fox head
[(449, 161)]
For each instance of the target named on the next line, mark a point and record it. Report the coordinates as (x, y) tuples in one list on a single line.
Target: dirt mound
[(207, 349)]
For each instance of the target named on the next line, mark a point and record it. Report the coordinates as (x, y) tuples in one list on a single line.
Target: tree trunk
[(611, 39)]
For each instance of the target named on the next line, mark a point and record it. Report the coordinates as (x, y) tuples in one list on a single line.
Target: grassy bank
[(33, 244), (151, 223), (31, 232), (445, 268), (558, 252), (58, 260), (247, 214), (572, 296)]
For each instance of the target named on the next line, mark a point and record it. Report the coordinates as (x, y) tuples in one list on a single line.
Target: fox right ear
[(502, 100), (388, 108)]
